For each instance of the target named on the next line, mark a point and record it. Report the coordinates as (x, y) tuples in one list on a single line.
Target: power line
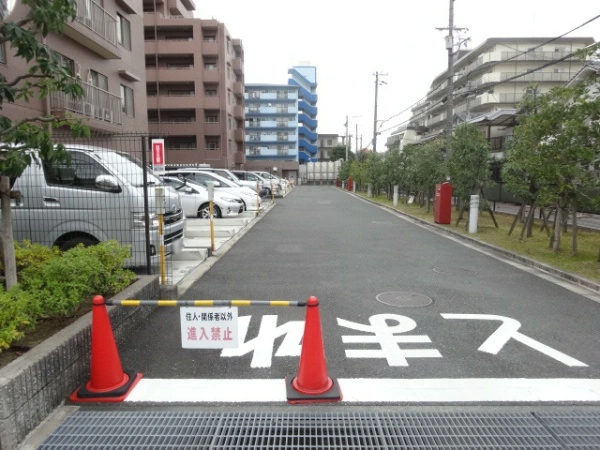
[(488, 87), (495, 84)]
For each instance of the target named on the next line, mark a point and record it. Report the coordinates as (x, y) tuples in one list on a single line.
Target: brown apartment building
[(103, 46), (195, 85)]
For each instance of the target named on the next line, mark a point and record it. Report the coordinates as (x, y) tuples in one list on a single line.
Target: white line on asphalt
[(369, 390)]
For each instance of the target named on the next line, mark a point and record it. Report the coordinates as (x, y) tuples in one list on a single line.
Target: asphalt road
[(398, 301)]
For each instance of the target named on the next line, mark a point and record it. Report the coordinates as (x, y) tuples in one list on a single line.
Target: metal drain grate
[(106, 430), (575, 430)]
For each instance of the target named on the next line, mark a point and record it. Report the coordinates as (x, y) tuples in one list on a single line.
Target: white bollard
[(395, 196), (473, 214), (354, 187), (370, 190)]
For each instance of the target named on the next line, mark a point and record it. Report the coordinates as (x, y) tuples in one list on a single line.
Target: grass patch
[(584, 264)]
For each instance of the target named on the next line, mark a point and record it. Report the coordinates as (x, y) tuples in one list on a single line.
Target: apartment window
[(210, 92), (64, 61), (127, 101), (123, 31), (254, 151), (210, 38), (211, 117), (212, 144), (98, 80), (329, 142), (2, 53)]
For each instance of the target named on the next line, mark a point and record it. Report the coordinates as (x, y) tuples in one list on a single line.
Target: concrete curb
[(35, 384), (581, 281)]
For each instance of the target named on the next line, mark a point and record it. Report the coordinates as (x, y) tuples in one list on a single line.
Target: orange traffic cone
[(312, 385), (108, 382)]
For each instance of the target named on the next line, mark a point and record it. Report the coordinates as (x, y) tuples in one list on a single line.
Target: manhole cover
[(407, 299), (455, 271)]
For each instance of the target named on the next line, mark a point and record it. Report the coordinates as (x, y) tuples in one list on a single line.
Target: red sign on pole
[(158, 156)]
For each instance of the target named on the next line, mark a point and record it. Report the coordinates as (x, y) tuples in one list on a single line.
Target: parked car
[(195, 201), (250, 198), (279, 184), (99, 196), (254, 178), (228, 174)]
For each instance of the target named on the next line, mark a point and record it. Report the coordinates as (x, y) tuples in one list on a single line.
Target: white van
[(98, 197)]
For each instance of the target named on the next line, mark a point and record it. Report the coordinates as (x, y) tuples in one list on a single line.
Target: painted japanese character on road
[(386, 331)]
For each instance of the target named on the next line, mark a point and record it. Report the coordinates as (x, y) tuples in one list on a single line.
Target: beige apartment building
[(489, 83), (195, 85), (103, 47)]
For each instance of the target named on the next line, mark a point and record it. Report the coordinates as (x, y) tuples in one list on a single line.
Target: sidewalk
[(584, 220)]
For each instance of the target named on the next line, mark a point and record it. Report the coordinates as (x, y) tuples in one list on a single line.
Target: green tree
[(339, 152), (558, 147), (468, 164), (429, 169), (45, 75)]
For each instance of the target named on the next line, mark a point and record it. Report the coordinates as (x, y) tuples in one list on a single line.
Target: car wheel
[(75, 241), (204, 212), (244, 206)]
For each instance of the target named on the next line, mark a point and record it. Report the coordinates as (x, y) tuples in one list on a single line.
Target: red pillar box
[(350, 183), (442, 207)]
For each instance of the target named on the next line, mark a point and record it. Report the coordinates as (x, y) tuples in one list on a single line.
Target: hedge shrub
[(55, 284)]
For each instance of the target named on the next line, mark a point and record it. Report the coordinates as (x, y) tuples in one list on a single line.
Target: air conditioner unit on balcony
[(88, 109), (107, 115)]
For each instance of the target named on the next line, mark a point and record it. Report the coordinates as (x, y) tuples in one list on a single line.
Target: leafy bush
[(28, 254), (60, 285), (15, 317), (54, 283)]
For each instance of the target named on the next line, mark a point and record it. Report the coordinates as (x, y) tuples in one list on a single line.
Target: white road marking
[(509, 330), (383, 326), (369, 390), (262, 345)]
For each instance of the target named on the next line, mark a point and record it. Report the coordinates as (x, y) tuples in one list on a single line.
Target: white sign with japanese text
[(209, 327)]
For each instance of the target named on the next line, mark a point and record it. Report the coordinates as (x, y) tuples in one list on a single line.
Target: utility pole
[(377, 83), (346, 142), (450, 88)]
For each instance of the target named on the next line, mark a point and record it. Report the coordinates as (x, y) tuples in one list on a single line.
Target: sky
[(349, 42)]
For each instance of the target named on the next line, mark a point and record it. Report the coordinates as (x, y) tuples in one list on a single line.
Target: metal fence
[(101, 194)]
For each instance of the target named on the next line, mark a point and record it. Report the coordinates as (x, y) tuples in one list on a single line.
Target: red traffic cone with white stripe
[(312, 384), (108, 382)]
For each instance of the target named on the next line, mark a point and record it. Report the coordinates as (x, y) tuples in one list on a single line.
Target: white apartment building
[(490, 81)]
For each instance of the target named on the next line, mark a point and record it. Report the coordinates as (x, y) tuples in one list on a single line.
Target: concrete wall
[(35, 384)]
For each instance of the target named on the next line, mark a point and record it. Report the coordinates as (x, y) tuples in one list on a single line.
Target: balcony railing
[(95, 17), (95, 103), (536, 56), (537, 76)]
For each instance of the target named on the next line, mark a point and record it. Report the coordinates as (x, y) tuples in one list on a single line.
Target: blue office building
[(305, 79)]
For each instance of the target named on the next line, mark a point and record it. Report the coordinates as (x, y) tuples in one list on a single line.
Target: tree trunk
[(574, 227), (531, 220), (557, 228), (527, 221), (8, 244), (545, 219), (512, 227)]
